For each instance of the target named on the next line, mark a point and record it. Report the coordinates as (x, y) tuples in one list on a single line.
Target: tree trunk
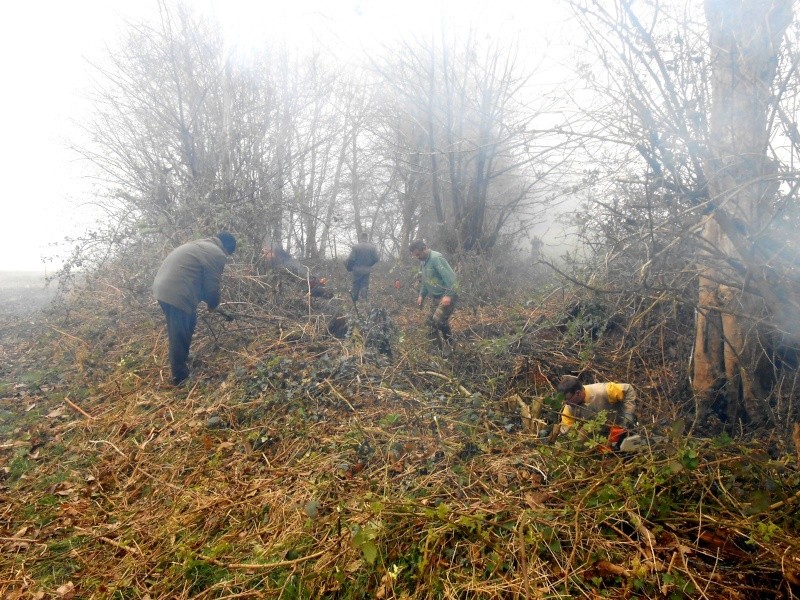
[(745, 36)]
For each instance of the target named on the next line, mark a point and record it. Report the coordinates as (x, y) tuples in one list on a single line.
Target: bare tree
[(183, 139), (696, 191), (462, 103), (745, 40)]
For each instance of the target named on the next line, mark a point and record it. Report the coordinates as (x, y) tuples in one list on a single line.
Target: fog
[(49, 49)]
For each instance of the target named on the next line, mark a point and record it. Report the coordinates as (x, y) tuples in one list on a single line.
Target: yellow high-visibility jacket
[(617, 399)]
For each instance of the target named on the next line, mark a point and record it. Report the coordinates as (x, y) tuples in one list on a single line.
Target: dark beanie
[(569, 385), (228, 242), (417, 245)]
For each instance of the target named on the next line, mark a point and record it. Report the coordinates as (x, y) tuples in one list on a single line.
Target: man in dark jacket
[(439, 282), (276, 257), (360, 262), (192, 273)]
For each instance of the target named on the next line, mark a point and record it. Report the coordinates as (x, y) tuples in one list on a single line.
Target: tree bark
[(745, 37)]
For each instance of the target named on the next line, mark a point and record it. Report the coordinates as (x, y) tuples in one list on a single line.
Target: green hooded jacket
[(438, 278)]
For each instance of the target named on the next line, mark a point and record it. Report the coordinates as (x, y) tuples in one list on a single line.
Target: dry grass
[(296, 465)]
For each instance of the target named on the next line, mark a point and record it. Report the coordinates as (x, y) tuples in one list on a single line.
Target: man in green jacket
[(439, 282), (192, 273)]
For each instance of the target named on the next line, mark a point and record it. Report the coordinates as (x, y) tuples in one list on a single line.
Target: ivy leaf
[(370, 551)]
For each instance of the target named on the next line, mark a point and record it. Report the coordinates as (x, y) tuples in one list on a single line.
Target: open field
[(23, 292)]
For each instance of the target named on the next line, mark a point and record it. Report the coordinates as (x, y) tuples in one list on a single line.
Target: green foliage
[(19, 465), (677, 586), (61, 564), (33, 379), (763, 532), (201, 575), (688, 458), (390, 420), (364, 540), (723, 440)]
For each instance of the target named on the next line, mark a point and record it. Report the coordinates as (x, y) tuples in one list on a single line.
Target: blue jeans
[(180, 328)]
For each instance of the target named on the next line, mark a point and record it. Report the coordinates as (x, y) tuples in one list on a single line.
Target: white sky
[(45, 47)]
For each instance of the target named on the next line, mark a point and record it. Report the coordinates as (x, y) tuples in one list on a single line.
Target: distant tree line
[(434, 138)]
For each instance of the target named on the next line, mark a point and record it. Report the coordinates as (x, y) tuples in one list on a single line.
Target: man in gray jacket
[(360, 262), (192, 273)]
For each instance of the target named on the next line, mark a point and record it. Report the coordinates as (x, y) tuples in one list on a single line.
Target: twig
[(449, 380), (784, 502), (523, 560), (120, 452), (65, 334), (127, 549), (339, 395), (78, 408), (266, 566)]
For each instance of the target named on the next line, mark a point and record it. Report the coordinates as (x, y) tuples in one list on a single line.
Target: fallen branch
[(265, 566), (449, 380), (78, 408)]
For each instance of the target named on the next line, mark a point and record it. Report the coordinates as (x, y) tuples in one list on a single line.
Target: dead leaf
[(65, 488), (534, 500), (67, 590), (354, 566), (20, 546), (608, 568), (21, 532), (54, 414), (17, 444)]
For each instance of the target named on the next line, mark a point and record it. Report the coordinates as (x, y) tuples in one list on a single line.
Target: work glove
[(628, 420)]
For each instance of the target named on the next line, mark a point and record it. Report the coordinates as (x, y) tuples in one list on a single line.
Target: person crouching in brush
[(585, 402), (191, 273)]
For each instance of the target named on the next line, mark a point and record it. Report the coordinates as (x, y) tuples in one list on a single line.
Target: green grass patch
[(20, 465), (201, 575)]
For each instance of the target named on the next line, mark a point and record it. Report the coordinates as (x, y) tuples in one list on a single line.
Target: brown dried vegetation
[(299, 465)]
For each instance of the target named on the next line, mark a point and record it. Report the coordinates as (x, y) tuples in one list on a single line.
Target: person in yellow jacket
[(585, 402)]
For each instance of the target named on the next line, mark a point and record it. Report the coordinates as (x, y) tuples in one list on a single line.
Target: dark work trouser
[(360, 286), (439, 319), (180, 328)]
